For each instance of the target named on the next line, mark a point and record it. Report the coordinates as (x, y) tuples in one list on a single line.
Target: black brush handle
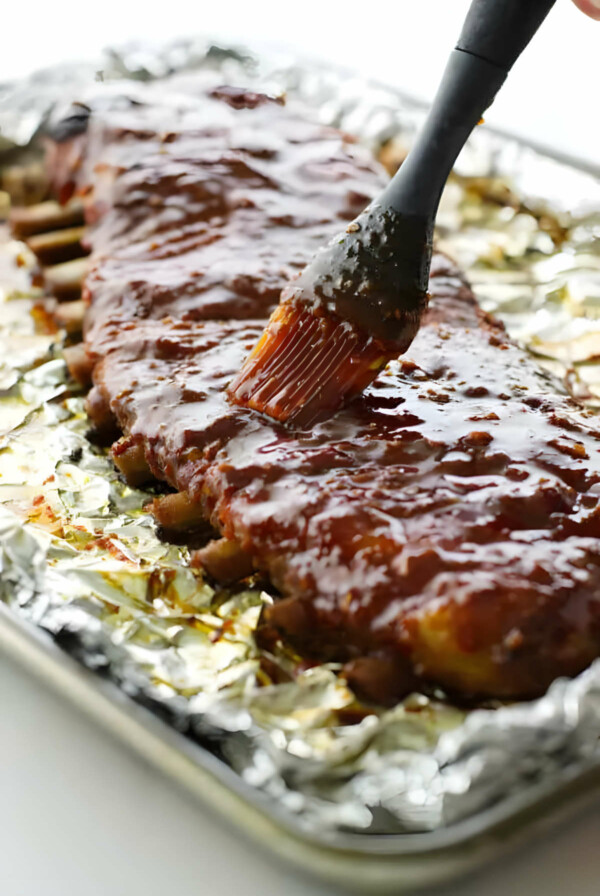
[(377, 274), (499, 30), (495, 32)]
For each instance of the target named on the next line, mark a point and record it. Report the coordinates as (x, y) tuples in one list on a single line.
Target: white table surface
[(79, 813)]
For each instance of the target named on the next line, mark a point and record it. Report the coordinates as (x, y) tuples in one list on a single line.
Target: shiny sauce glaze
[(211, 215), (447, 520), (443, 528)]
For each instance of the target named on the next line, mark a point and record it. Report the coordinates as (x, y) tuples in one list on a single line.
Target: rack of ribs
[(442, 530)]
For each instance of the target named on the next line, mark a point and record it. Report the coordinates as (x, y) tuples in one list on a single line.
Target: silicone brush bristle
[(306, 364)]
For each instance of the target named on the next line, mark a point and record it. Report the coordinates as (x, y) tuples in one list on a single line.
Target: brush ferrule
[(374, 275)]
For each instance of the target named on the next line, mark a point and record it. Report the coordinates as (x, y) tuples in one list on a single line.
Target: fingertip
[(590, 7)]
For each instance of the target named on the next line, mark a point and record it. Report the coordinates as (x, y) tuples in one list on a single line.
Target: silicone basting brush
[(359, 302)]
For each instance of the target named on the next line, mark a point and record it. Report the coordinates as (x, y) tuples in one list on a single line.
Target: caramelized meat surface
[(211, 216), (444, 526), (447, 519)]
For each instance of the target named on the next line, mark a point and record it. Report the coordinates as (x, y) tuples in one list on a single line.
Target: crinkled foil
[(81, 557)]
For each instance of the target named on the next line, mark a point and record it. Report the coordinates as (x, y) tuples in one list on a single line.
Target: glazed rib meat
[(442, 528), (447, 521), (207, 210)]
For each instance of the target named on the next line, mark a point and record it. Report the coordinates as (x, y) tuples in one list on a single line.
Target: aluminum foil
[(80, 556)]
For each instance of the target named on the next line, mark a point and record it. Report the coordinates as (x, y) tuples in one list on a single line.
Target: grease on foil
[(80, 556)]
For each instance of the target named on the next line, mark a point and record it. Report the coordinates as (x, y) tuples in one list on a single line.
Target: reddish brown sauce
[(211, 215), (445, 524)]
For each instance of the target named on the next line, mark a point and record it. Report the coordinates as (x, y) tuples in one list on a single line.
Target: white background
[(552, 94), (79, 815)]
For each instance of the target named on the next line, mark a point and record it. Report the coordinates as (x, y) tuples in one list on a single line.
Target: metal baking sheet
[(383, 864), (393, 798)]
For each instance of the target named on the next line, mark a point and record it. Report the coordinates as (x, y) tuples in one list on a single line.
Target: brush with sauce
[(359, 302)]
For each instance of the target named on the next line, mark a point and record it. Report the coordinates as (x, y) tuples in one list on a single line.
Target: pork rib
[(444, 527), (448, 519)]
